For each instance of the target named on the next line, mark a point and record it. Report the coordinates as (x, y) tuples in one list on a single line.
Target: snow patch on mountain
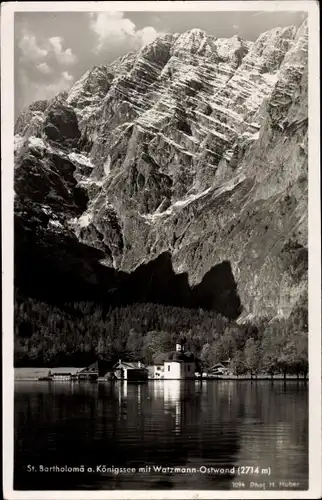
[(38, 142), (107, 166), (81, 158), (85, 220)]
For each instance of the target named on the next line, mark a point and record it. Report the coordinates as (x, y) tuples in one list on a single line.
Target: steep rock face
[(193, 146), (26, 117)]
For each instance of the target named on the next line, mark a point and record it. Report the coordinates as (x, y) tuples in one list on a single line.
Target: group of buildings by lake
[(174, 365), (178, 364)]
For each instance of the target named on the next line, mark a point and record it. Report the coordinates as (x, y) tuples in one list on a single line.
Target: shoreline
[(28, 374), (204, 379)]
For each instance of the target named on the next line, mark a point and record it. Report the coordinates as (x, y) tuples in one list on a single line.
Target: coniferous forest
[(76, 334)]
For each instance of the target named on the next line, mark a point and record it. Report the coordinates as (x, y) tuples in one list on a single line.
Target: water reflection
[(161, 423), (172, 403)]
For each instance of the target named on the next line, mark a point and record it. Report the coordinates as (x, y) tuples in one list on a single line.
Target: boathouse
[(63, 373), (130, 370), (99, 369), (222, 368)]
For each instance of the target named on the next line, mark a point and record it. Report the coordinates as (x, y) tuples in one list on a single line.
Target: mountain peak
[(197, 32)]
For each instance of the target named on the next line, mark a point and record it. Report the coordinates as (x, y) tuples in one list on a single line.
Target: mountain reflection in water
[(159, 424)]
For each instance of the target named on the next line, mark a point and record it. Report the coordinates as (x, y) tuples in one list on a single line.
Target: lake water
[(206, 426)]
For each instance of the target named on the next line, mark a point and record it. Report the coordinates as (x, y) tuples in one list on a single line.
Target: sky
[(54, 49)]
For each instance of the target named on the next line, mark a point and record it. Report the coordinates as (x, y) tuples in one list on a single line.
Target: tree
[(100, 348), (272, 345), (147, 355), (158, 342), (237, 335), (225, 347), (238, 364), (220, 324), (205, 356), (252, 356), (294, 356), (134, 345), (219, 351), (302, 362), (297, 351)]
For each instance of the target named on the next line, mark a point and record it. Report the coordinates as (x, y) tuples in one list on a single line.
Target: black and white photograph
[(162, 334)]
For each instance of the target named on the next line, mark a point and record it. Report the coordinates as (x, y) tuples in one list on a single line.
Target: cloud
[(146, 35), (113, 28), (31, 91), (44, 68), (236, 27), (40, 63), (65, 57), (65, 75), (30, 49)]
